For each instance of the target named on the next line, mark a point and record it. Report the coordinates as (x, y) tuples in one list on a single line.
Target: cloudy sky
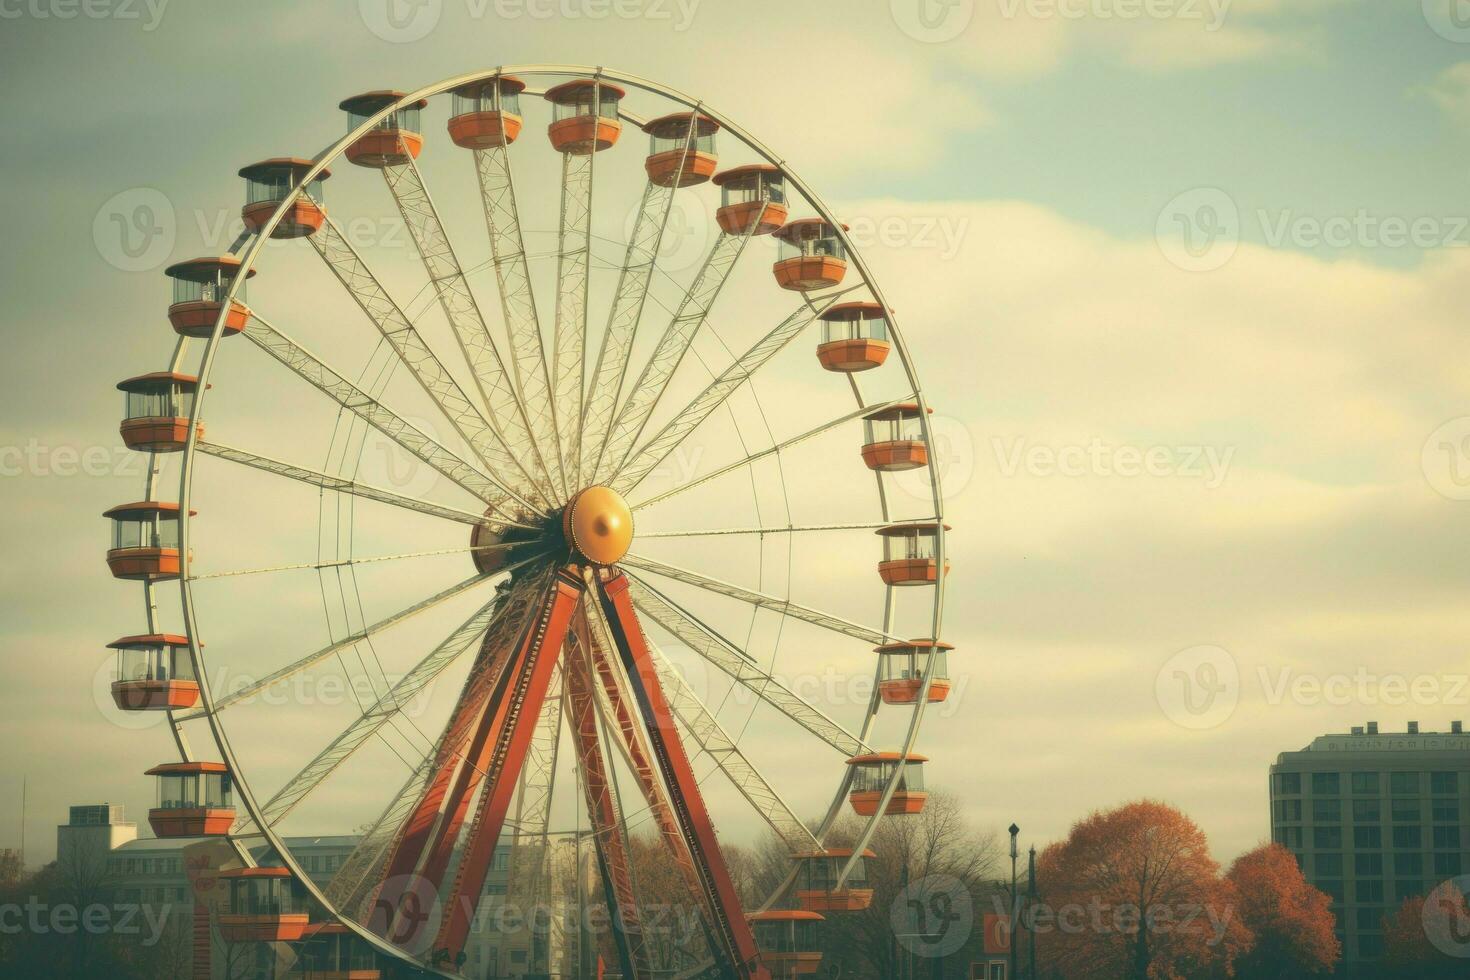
[(1183, 281)]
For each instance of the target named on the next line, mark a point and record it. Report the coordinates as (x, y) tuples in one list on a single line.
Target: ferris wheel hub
[(598, 525)]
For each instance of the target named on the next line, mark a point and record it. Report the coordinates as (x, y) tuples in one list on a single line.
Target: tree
[(1292, 922), (1428, 937), (1134, 893)]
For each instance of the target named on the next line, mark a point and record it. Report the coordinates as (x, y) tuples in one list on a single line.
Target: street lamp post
[(1031, 906), (1014, 830)]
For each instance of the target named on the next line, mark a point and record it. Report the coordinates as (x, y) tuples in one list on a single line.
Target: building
[(1374, 818), (100, 849)]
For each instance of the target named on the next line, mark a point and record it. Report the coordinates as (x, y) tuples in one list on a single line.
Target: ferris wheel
[(636, 446)]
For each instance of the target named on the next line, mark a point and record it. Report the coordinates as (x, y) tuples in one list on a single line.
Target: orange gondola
[(397, 137), (816, 881), (752, 199), (262, 907), (870, 777), (901, 669), (812, 255), (330, 951), (854, 337), (195, 799), (268, 183), (579, 126), (154, 673), (894, 439), (145, 540), (487, 113), (157, 411), (681, 149), (200, 286), (787, 939), (910, 553)]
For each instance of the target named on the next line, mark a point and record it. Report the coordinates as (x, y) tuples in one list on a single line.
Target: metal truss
[(716, 649), (518, 304), (574, 253), (677, 338), (316, 657), (483, 435), (355, 879), (515, 413), (315, 372), (701, 726), (326, 481), (770, 451), (530, 858), (773, 529), (761, 600), (654, 452), (386, 707), (622, 321)]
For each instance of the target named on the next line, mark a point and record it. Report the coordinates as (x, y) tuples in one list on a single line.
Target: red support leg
[(602, 811), (516, 709), (735, 948)]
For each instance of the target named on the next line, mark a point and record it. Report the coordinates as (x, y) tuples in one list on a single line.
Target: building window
[(1325, 784), (1333, 890), (1288, 810), (1405, 811), (1408, 864), (1365, 784), (1289, 783), (1329, 865), (1289, 837), (1404, 890), (1447, 864), (1327, 838), (1406, 783), (1368, 865), (1446, 811), (1326, 811), (1370, 946), (1366, 811), (1407, 838), (1444, 783), (1447, 838), (1367, 837), (1370, 918), (1368, 890)]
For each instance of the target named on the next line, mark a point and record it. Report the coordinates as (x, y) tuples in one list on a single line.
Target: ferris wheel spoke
[(774, 529), (719, 651), (677, 338), (482, 434), (760, 600), (646, 459), (627, 308), (513, 410), (326, 481), (389, 705), (315, 372), (345, 562), (569, 338), (349, 887), (317, 656), (530, 862), (762, 454)]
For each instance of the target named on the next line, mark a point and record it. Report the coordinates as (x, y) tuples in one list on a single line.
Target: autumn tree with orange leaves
[(1429, 938), (1133, 893), (1292, 921)]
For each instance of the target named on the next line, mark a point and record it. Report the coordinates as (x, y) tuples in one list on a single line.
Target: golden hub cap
[(599, 525)]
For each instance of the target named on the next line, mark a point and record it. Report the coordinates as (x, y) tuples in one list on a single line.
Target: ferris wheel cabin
[(752, 199), (854, 337), (329, 951), (195, 799), (895, 439), (901, 668), (268, 183), (669, 137), (816, 881), (263, 907), (870, 777), (787, 939), (145, 540), (812, 255), (584, 116), (200, 286), (487, 113), (157, 410), (154, 673), (910, 553), (397, 137)]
